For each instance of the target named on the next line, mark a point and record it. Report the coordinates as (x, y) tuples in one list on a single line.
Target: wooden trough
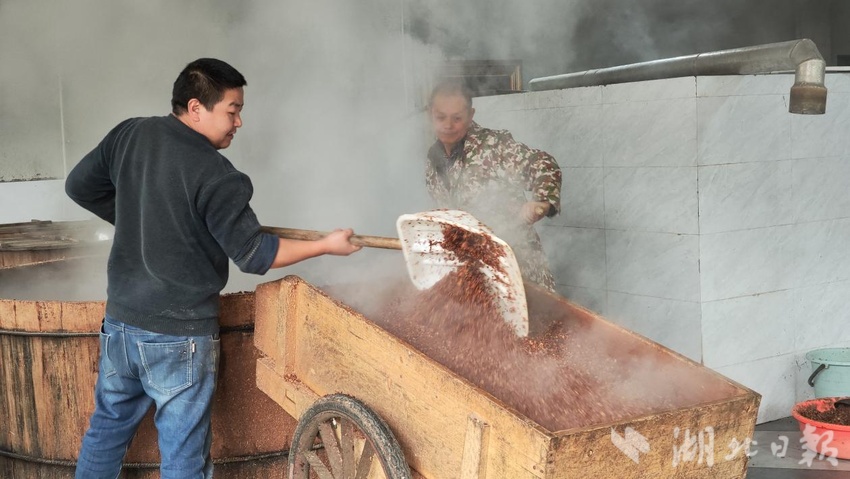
[(313, 345)]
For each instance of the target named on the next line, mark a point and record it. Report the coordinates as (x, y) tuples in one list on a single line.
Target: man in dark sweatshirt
[(180, 211)]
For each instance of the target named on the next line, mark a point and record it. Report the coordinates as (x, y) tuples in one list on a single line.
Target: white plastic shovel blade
[(421, 236)]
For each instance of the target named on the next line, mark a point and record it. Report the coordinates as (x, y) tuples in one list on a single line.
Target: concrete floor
[(773, 436)]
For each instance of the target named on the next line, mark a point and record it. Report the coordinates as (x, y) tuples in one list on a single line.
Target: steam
[(78, 279), (579, 371), (334, 131), (561, 36), (334, 134)]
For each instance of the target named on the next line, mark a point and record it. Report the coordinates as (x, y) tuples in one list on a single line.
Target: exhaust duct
[(808, 94)]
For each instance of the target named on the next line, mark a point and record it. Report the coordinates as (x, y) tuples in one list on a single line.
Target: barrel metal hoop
[(142, 465), (246, 328)]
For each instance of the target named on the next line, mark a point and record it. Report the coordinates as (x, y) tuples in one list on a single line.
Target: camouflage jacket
[(491, 175), (489, 178)]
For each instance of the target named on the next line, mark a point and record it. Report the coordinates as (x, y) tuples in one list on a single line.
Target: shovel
[(421, 238)]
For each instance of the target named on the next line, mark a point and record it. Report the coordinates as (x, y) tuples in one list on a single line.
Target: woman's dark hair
[(205, 79)]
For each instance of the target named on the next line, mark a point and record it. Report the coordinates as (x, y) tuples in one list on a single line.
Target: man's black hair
[(205, 79)]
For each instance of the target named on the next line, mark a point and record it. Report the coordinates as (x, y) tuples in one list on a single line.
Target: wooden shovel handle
[(312, 235)]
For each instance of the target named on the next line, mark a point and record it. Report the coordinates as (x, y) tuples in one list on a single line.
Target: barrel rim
[(817, 356)]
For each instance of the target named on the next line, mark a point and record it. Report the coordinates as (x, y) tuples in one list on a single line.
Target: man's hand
[(291, 251), (534, 211), (338, 242)]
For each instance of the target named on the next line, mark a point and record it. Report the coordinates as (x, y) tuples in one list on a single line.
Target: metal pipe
[(808, 94)]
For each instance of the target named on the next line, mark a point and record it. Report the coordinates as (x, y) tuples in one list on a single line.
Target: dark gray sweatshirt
[(180, 210)]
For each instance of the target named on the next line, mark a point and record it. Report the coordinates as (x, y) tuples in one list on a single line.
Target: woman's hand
[(534, 211)]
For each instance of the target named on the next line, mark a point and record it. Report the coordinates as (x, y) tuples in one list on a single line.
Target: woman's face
[(451, 117)]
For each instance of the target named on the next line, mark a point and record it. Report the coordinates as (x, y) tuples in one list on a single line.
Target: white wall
[(775, 228), (72, 70), (627, 243), (700, 213)]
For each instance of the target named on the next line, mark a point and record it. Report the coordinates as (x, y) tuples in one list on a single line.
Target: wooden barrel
[(48, 368), (39, 242)]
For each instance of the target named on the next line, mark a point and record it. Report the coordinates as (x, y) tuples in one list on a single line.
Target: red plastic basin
[(831, 440)]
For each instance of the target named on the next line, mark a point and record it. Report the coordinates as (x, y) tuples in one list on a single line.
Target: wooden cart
[(351, 382)]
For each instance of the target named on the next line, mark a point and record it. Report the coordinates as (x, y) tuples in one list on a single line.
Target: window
[(486, 77)]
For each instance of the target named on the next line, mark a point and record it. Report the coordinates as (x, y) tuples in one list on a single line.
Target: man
[(487, 173), (180, 210)]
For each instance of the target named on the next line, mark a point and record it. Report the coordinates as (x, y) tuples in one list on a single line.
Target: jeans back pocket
[(107, 368), (168, 366)]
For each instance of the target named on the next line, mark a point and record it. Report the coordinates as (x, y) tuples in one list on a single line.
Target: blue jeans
[(138, 369)]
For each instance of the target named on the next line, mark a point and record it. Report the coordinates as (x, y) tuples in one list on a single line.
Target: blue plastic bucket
[(831, 372)]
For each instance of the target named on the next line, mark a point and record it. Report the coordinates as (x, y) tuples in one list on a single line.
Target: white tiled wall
[(734, 129), (749, 328), (775, 378), (652, 199), (739, 196), (583, 198), (31, 96), (661, 265), (819, 188), (576, 254), (700, 213), (747, 262), (673, 323)]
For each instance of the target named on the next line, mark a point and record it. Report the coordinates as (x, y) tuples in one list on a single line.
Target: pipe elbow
[(807, 99), (804, 50), (808, 95)]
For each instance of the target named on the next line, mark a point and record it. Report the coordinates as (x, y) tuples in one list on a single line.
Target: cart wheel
[(338, 437)]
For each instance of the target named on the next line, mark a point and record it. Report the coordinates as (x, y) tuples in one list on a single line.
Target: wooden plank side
[(273, 335), (15, 259), (26, 316), (47, 395), (23, 258), (425, 404), (236, 310), (291, 395), (266, 321), (51, 316), (475, 448), (7, 313), (82, 316), (698, 443)]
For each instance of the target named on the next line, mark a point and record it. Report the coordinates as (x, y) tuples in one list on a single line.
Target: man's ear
[(194, 109), (471, 113)]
